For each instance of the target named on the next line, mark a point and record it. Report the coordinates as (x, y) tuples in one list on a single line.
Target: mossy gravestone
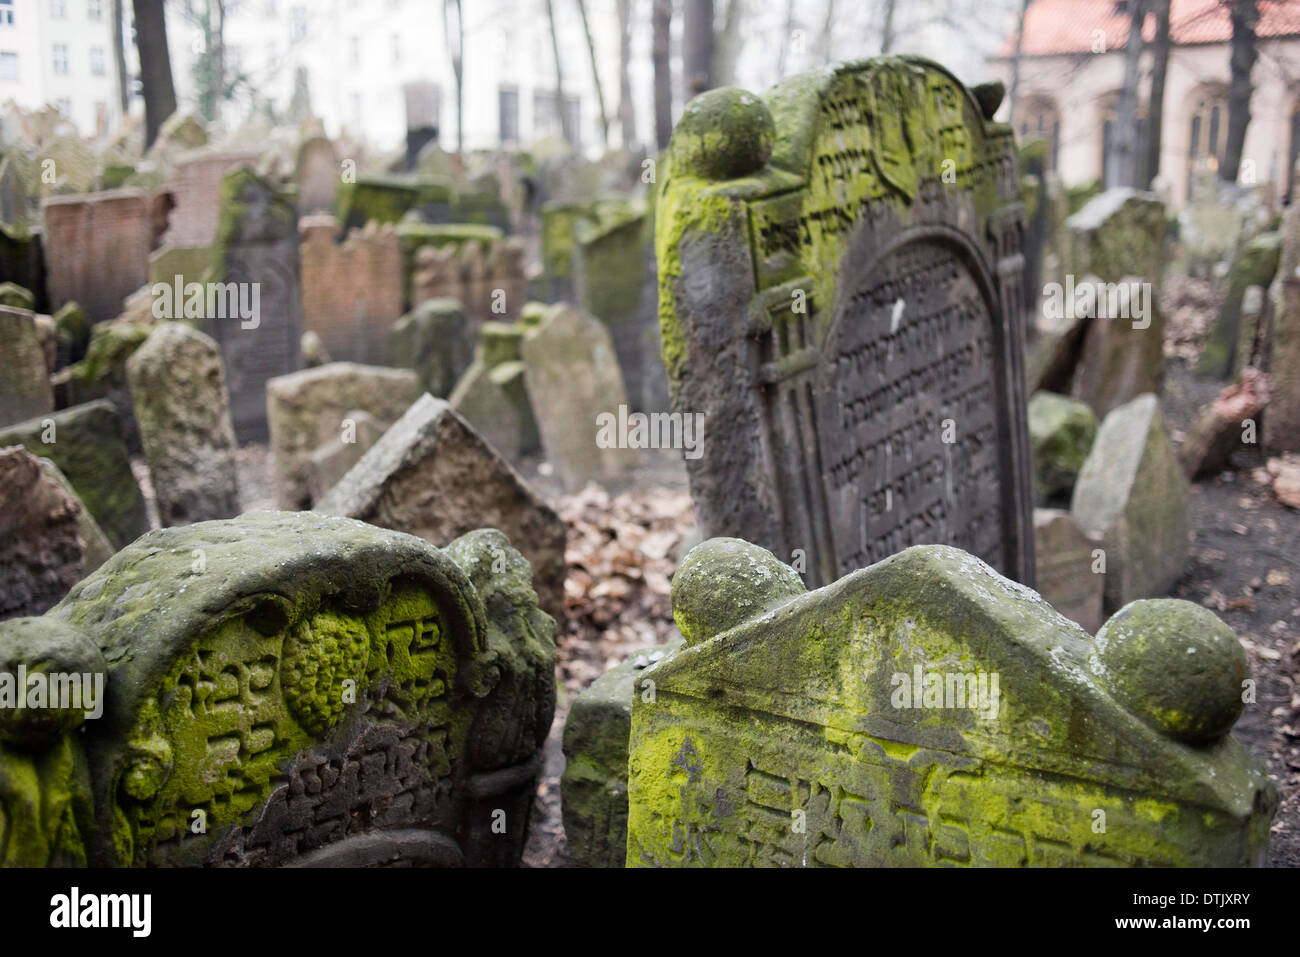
[(25, 385), (840, 294), (86, 443), (927, 711), (1255, 265), (437, 341), (1061, 431), (285, 688)]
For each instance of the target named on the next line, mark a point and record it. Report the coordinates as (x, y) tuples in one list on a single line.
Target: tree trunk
[(1156, 99), (457, 55), (1120, 166), (661, 25), (697, 36), (1244, 15), (119, 59), (727, 49), (595, 74), (786, 40), (626, 105), (155, 67), (1014, 93), (559, 74), (887, 30), (828, 30)]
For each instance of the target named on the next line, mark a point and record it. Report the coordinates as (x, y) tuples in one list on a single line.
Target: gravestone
[(307, 409), (87, 445), (22, 260), (572, 376), (433, 476), (1131, 494), (840, 297), (25, 384), (1061, 431), (178, 388), (1254, 265), (194, 184), (333, 460), (318, 176), (317, 691), (1282, 421), (436, 340), (96, 547), (14, 207), (945, 716), (41, 551), (1116, 242), (257, 248), (1066, 568)]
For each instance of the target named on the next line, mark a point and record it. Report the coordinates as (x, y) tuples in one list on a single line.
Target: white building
[(60, 52)]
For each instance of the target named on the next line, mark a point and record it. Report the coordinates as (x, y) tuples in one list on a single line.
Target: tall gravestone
[(317, 175), (840, 294), (315, 690), (257, 244), (24, 382), (944, 717)]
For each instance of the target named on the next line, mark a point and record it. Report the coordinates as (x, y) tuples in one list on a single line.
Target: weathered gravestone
[(573, 379), (840, 295), (42, 554), (256, 250), (315, 690), (1061, 432), (1068, 573), (24, 382), (87, 445), (1282, 421), (944, 716), (433, 476), (1132, 495), (178, 388), (318, 175), (307, 409), (437, 341), (1254, 265), (333, 460)]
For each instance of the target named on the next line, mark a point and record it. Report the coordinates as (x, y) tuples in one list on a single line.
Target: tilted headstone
[(97, 549), (42, 554), (314, 690), (1068, 571), (945, 716), (25, 384), (256, 249), (433, 476), (14, 207), (87, 445), (1116, 250), (333, 460), (573, 378), (437, 341), (318, 175), (178, 388), (840, 297), (1255, 265), (1132, 495), (1282, 420), (1061, 431), (307, 409)]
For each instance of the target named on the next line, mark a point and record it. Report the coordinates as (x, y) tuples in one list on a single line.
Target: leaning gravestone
[(433, 476), (1132, 495), (1068, 573), (1255, 265), (25, 384), (946, 716), (256, 250), (436, 340), (87, 444), (333, 460), (178, 389), (572, 376), (840, 296), (1061, 432), (315, 690), (308, 409)]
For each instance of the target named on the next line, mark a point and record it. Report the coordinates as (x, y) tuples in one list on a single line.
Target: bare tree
[(559, 74), (726, 48), (828, 28), (1156, 98), (786, 40), (1244, 15), (1014, 93), (626, 105), (155, 66), (119, 57), (456, 52), (661, 16), (697, 38), (1120, 159), (887, 29), (595, 73)]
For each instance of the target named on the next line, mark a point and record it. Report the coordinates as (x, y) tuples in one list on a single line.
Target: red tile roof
[(1069, 26)]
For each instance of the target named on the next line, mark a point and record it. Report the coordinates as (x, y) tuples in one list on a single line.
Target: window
[(64, 106), (96, 61), (508, 109), (297, 23), (94, 9), (6, 13), (1037, 119), (8, 67), (1205, 134), (61, 58), (58, 9), (1110, 106), (101, 118)]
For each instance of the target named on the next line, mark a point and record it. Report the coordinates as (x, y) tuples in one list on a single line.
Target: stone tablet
[(87, 445), (840, 295), (41, 551), (1068, 574), (318, 175), (572, 375), (315, 690), (178, 389), (25, 384), (433, 476), (307, 409), (1132, 495), (944, 716), (436, 340)]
